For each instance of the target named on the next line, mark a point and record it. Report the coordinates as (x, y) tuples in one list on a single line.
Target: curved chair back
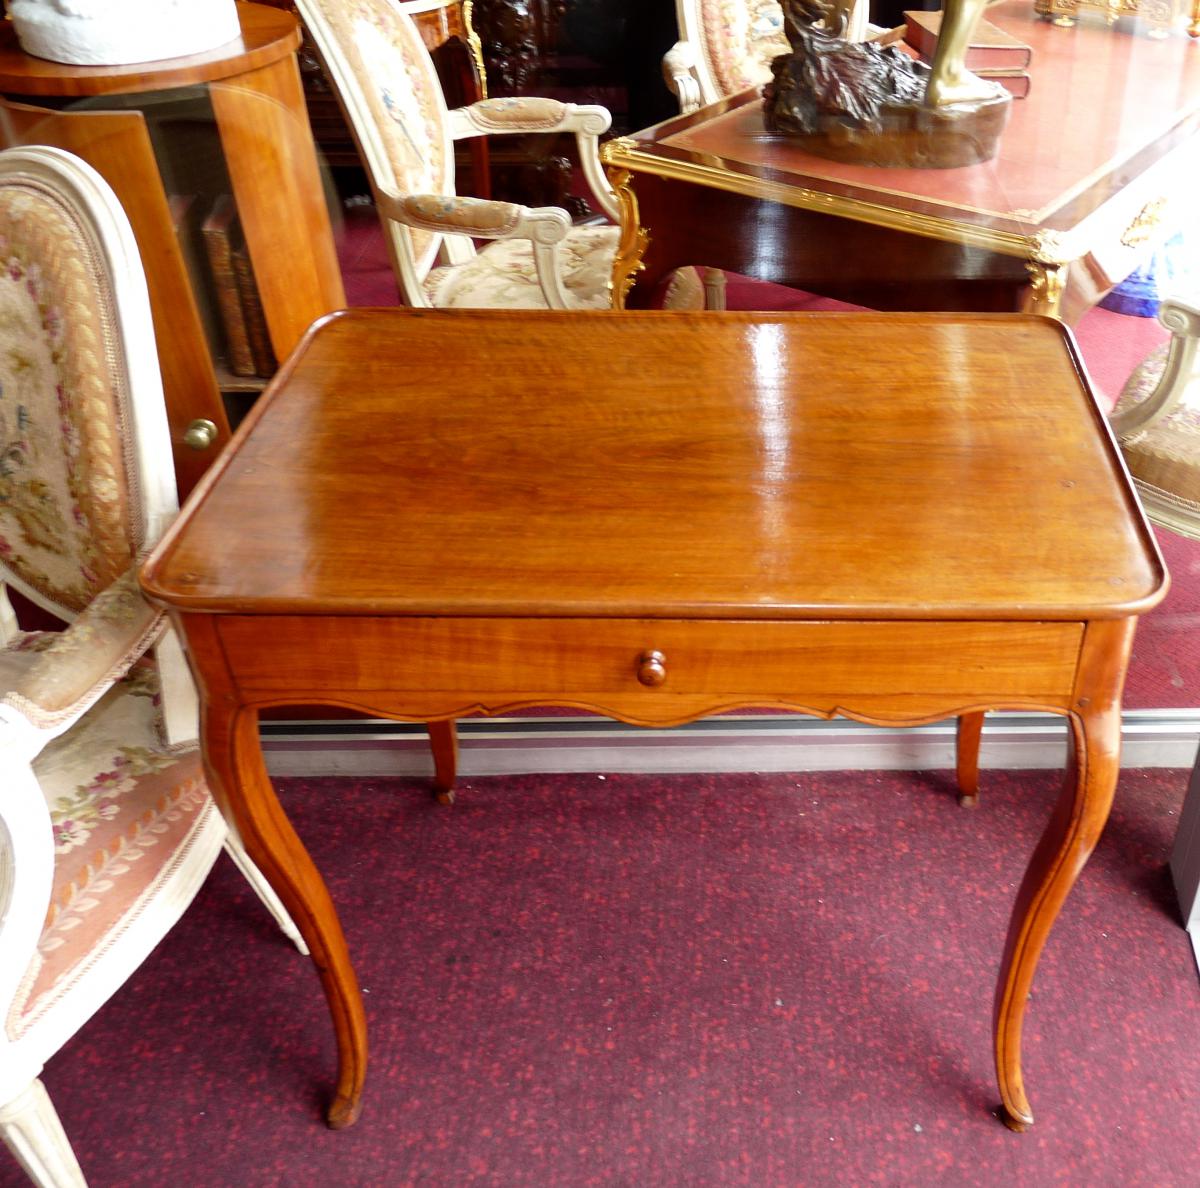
[(86, 479), (392, 98), (735, 43)]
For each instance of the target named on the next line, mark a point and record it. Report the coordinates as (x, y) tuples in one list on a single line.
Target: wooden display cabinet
[(263, 146)]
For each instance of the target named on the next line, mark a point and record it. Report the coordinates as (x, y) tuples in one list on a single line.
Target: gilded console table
[(1097, 166), (659, 518)]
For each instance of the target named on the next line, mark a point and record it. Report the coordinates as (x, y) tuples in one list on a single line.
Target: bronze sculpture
[(860, 102)]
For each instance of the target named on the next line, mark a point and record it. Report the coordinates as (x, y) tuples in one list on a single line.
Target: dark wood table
[(1098, 165), (658, 518)]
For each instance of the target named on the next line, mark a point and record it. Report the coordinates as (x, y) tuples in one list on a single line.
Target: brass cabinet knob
[(201, 433), (652, 668)]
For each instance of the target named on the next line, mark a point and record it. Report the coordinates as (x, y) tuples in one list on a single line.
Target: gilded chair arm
[(679, 73), (1182, 318), (525, 114), (82, 662)]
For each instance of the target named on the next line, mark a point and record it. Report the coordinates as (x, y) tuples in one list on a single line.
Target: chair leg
[(254, 876), (714, 288), (970, 732), (31, 1130)]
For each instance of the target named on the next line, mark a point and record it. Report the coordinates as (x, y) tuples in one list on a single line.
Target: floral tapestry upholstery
[(740, 39), (1165, 456), (67, 516), (502, 275), (114, 792), (401, 91), (75, 664)]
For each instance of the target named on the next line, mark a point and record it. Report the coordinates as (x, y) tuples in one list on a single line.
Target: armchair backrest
[(392, 98), (735, 42), (86, 478)]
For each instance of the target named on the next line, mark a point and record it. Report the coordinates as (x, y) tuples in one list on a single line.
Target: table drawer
[(556, 657)]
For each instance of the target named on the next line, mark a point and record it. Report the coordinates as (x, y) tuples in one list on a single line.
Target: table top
[(268, 34), (764, 466), (1103, 106)]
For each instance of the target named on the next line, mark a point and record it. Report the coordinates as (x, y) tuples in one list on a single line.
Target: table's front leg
[(238, 780), (1075, 826)]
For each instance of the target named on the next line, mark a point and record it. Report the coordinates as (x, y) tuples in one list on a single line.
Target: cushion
[(502, 275), (124, 808)]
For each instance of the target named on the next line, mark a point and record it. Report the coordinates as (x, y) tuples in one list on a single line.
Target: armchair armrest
[(1182, 318), (84, 660), (679, 73), (479, 218), (545, 227), (524, 114)]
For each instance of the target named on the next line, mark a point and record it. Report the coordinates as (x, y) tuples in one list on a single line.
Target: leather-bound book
[(991, 48), (252, 312), (219, 232)]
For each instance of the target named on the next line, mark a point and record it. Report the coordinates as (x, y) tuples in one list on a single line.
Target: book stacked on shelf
[(992, 53), (231, 309)]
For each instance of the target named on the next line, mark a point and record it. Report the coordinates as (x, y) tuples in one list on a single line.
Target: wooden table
[(1098, 164), (658, 518), (253, 85)]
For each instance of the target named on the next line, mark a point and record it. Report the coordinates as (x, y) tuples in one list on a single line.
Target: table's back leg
[(969, 736), (1074, 828), (238, 780), (443, 739)]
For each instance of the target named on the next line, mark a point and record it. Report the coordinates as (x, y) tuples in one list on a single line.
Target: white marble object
[(117, 32)]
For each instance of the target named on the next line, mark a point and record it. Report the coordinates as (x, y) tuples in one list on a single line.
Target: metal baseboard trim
[(513, 746)]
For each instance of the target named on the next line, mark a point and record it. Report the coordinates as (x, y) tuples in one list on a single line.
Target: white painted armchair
[(107, 828), (389, 90)]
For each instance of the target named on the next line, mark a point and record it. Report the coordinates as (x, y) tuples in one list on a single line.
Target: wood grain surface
[(673, 465)]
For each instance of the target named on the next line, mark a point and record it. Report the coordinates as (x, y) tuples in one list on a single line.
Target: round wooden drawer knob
[(652, 668)]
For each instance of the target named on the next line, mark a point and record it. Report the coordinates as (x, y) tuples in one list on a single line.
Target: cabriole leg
[(1074, 828), (238, 780)]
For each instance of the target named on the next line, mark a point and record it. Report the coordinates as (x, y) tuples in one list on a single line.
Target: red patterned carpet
[(694, 980)]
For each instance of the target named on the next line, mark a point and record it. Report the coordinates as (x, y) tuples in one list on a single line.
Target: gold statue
[(949, 79)]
